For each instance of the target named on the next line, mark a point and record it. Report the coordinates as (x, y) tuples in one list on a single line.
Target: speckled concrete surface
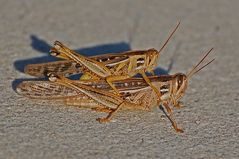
[(36, 129)]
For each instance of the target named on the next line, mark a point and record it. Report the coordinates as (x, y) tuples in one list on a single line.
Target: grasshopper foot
[(103, 120), (178, 130), (179, 105)]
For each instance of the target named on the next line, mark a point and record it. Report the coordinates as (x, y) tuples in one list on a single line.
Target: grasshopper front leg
[(176, 103)]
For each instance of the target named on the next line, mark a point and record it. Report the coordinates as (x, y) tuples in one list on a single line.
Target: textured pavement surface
[(38, 129)]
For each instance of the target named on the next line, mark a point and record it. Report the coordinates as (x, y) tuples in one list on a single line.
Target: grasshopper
[(112, 61), (135, 92), (110, 67)]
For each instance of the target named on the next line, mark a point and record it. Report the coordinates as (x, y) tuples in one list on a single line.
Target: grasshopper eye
[(180, 81), (54, 52)]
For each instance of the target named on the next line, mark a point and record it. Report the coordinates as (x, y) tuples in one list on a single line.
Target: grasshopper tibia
[(111, 114), (171, 117)]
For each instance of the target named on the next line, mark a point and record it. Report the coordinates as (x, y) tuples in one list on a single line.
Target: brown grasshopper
[(110, 67), (135, 93), (111, 61)]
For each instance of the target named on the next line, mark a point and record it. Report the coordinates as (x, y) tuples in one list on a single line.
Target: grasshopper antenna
[(170, 36), (195, 70)]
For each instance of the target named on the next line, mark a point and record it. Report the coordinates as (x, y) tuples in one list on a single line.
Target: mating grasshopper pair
[(100, 73), (110, 67)]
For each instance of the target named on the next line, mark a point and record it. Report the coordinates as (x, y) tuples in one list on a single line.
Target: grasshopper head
[(153, 55), (59, 50), (152, 59), (180, 84)]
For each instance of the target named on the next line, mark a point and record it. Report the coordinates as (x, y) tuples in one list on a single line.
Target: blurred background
[(37, 129)]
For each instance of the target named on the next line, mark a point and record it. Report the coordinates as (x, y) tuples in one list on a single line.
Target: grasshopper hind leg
[(171, 118), (110, 115)]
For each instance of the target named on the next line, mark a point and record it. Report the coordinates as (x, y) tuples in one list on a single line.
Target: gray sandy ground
[(37, 129)]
